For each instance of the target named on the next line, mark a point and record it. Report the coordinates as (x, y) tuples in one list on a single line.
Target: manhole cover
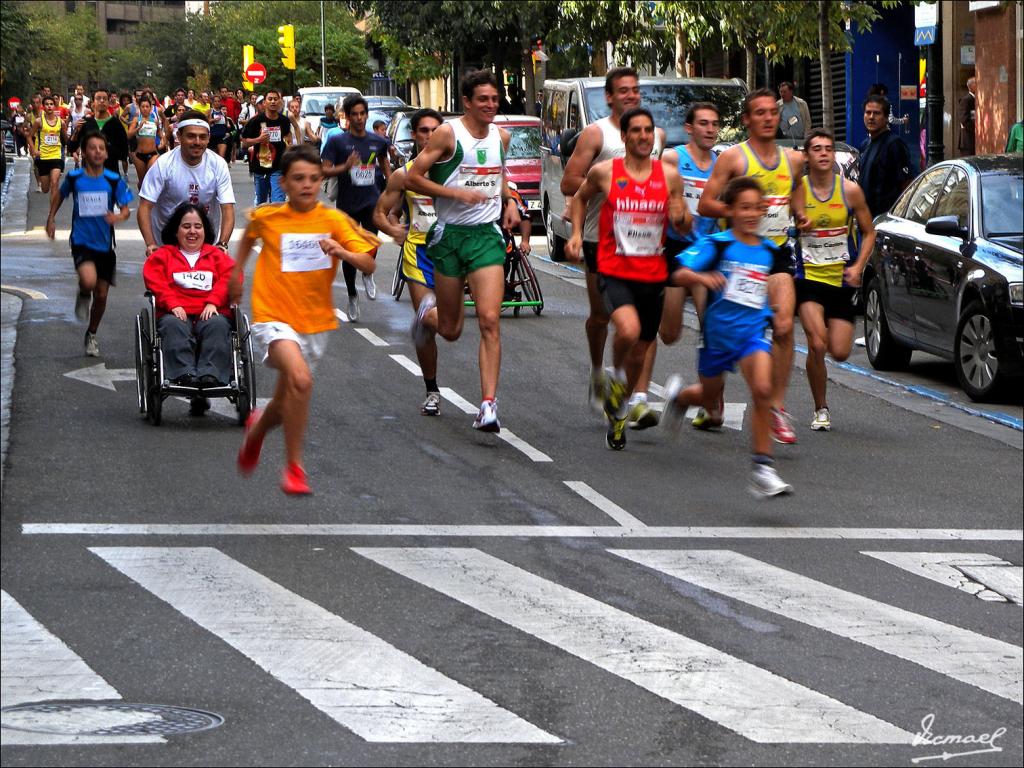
[(106, 718)]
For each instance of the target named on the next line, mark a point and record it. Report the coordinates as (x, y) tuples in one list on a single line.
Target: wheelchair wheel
[(142, 365), (398, 282), (531, 285), (156, 405), (246, 375)]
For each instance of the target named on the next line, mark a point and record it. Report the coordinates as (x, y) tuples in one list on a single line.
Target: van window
[(572, 122), (555, 105), (668, 103)]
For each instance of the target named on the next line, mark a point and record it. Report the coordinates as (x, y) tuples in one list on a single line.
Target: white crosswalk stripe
[(989, 664), (990, 578), (753, 702), (364, 683)]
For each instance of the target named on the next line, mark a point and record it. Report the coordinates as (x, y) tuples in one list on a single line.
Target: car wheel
[(556, 245), (974, 353), (884, 352)]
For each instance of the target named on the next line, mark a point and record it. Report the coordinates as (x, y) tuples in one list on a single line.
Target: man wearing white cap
[(189, 173)]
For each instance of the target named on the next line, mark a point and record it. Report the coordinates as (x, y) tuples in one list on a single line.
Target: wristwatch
[(222, 244)]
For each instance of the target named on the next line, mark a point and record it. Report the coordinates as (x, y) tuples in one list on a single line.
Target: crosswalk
[(383, 693)]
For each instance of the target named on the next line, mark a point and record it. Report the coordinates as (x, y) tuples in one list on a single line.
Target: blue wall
[(891, 35)]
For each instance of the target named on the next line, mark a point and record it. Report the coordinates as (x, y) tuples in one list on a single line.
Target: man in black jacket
[(885, 168), (104, 121)]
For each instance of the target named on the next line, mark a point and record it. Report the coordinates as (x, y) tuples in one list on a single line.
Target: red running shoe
[(249, 453), (293, 481), (782, 427)]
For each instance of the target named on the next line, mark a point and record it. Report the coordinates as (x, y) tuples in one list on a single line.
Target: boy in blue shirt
[(736, 267), (96, 191)]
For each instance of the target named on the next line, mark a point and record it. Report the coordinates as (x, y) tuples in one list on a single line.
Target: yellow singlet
[(49, 140), (777, 183), (420, 213), (826, 248)]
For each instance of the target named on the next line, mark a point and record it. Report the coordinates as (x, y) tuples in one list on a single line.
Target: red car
[(523, 161)]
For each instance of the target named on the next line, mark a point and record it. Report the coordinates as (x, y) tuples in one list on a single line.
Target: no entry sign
[(256, 73)]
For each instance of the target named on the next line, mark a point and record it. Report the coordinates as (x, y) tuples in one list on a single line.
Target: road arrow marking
[(101, 377)]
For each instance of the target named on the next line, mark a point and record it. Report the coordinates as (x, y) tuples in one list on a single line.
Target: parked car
[(387, 105), (523, 161), (400, 133), (847, 156), (946, 273), (313, 101), (571, 105)]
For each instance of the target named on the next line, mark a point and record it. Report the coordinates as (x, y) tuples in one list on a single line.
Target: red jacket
[(232, 107), (176, 284)]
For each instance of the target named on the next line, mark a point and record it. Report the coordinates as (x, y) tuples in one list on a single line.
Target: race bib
[(275, 132), (362, 175), (826, 246), (638, 234), (196, 280), (147, 130), (92, 204), (51, 139), (747, 287), (692, 190), (776, 219), (793, 120), (424, 214), (481, 178), (302, 253)]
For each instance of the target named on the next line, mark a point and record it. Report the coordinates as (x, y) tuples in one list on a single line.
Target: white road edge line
[(35, 665), (379, 692), (959, 570), (408, 364), (27, 292), (371, 337), (609, 507), (752, 533), (753, 702)]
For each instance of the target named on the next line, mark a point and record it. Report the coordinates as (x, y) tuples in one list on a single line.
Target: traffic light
[(286, 39), (248, 57)]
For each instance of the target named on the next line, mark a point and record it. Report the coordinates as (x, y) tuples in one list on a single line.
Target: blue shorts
[(715, 362)]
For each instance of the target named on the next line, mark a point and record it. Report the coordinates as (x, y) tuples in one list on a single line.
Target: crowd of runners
[(754, 237)]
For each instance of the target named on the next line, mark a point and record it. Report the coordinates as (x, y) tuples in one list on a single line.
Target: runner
[(778, 171), (828, 275), (353, 157), (327, 124), (190, 173), (49, 135), (77, 112), (462, 169), (640, 195), (293, 310), (144, 129), (204, 103), (735, 266), (96, 191), (417, 268), (695, 161), (104, 121), (218, 127), (600, 141), (267, 135), (248, 112)]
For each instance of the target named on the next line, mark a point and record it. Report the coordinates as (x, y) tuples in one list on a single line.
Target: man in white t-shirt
[(190, 173)]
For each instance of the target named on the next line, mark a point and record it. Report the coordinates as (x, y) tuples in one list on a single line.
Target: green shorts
[(457, 249)]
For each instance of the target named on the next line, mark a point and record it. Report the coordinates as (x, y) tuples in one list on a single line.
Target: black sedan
[(946, 273)]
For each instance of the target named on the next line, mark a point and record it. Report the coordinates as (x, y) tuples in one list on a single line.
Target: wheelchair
[(154, 388)]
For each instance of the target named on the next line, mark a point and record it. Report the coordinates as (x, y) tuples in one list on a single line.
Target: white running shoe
[(92, 347), (822, 420), (672, 416), (765, 482), (82, 301), (353, 309), (418, 330), (432, 405), (369, 286), (487, 418)]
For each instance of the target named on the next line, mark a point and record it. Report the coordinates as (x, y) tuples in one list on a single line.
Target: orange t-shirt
[(293, 278)]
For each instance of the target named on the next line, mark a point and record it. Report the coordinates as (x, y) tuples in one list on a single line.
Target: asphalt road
[(448, 597)]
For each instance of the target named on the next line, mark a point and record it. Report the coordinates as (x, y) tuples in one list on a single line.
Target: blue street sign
[(924, 36)]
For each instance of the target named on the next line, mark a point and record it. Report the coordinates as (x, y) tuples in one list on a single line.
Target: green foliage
[(17, 51), (61, 49)]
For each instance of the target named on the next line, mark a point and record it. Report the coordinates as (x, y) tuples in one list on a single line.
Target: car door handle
[(918, 250)]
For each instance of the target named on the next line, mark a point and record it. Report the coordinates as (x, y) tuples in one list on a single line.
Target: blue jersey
[(93, 197), (739, 312), (694, 180)]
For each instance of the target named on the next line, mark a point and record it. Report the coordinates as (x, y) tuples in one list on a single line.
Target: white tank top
[(476, 164), (612, 146)]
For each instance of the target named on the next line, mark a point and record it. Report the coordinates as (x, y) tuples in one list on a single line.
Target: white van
[(571, 105), (313, 101)]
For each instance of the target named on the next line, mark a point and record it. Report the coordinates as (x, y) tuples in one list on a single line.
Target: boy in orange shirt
[(292, 307)]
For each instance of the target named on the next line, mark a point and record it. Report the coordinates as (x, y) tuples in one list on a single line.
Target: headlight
[(1017, 293)]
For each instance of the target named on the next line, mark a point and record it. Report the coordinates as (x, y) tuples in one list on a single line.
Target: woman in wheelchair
[(188, 278)]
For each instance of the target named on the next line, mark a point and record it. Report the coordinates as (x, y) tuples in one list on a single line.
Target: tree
[(635, 31), (17, 50), (63, 48)]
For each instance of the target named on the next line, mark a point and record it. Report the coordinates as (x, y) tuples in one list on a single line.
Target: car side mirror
[(567, 142), (947, 226)]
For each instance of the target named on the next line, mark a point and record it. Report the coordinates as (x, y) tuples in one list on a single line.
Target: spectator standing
[(885, 168), (794, 114), (267, 136), (1015, 141), (966, 113)]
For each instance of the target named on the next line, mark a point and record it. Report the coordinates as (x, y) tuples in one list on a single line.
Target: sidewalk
[(10, 308)]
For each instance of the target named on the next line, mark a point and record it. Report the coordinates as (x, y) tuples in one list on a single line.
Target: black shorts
[(647, 298), (43, 167), (836, 300), (590, 256), (145, 157), (106, 263)]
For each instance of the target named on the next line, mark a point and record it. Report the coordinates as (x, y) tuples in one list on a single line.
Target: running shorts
[(106, 263), (837, 300), (457, 249), (313, 345), (590, 256), (416, 265), (647, 298), (714, 362), (43, 167)]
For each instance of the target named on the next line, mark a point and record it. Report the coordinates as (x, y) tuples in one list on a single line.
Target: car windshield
[(404, 130), (668, 104), (1002, 204), (314, 103), (524, 143), (385, 102)]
